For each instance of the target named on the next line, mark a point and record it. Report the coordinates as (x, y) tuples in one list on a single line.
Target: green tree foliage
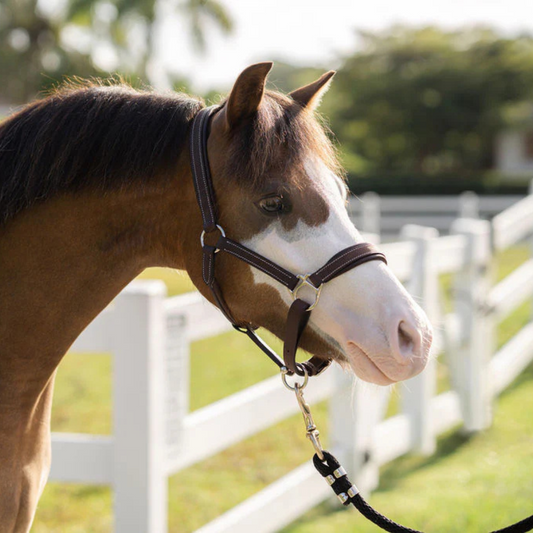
[(427, 100), (123, 16), (32, 56), (35, 53)]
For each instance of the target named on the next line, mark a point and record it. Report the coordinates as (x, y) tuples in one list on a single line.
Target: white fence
[(386, 215), (155, 435)]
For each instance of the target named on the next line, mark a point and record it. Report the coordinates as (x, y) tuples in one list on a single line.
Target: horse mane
[(107, 136), (86, 136)]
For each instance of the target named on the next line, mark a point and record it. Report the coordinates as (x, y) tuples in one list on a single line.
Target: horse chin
[(364, 368), (352, 359)]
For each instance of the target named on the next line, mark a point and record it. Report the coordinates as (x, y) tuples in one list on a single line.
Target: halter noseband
[(299, 311)]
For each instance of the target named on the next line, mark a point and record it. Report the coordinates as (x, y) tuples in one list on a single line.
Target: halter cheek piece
[(299, 311)]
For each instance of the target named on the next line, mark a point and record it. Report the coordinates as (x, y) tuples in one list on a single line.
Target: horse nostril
[(407, 343), (405, 339)]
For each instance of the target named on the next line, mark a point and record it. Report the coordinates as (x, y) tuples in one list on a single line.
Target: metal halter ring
[(222, 232), (304, 280), (297, 386)]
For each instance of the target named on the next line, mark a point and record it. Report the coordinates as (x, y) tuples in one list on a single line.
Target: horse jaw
[(380, 330)]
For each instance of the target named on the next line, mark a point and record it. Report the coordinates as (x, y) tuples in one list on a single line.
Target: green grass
[(485, 480)]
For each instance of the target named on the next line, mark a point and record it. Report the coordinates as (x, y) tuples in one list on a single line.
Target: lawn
[(493, 469)]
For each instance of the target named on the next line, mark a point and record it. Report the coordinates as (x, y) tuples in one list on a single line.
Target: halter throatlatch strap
[(300, 310)]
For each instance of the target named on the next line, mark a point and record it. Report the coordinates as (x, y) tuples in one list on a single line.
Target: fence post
[(370, 218), (468, 205), (177, 371), (530, 191), (418, 391), (354, 413), (472, 287), (140, 482)]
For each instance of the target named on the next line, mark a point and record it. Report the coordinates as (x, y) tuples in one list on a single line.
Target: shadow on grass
[(396, 471), (447, 445)]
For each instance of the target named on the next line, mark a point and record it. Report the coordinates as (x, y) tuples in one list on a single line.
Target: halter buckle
[(202, 236), (304, 280)]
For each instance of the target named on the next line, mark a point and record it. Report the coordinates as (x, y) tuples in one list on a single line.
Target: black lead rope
[(336, 476), (348, 493)]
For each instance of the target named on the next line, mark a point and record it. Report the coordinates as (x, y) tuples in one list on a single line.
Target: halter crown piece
[(299, 311)]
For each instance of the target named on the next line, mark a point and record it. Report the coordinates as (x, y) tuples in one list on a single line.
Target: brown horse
[(95, 186)]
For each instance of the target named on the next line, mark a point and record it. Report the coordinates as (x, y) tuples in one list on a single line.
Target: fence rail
[(155, 435), (386, 215)]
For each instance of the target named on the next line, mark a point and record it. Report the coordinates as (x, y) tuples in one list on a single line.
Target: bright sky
[(314, 32)]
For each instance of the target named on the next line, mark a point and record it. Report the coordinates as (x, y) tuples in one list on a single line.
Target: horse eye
[(272, 205)]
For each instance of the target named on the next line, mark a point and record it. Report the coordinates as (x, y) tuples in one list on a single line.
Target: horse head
[(280, 192)]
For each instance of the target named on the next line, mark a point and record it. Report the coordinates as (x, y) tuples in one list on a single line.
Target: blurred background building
[(514, 143)]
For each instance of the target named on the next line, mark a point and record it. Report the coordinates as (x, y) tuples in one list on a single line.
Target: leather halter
[(299, 311)]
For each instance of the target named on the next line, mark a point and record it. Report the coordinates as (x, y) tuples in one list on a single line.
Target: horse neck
[(63, 261)]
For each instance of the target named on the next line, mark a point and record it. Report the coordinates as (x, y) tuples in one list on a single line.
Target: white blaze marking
[(304, 249), (357, 307)]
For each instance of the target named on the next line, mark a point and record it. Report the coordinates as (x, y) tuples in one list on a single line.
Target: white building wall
[(511, 157)]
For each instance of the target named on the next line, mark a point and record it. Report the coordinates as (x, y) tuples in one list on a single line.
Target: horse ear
[(247, 93), (310, 95)]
